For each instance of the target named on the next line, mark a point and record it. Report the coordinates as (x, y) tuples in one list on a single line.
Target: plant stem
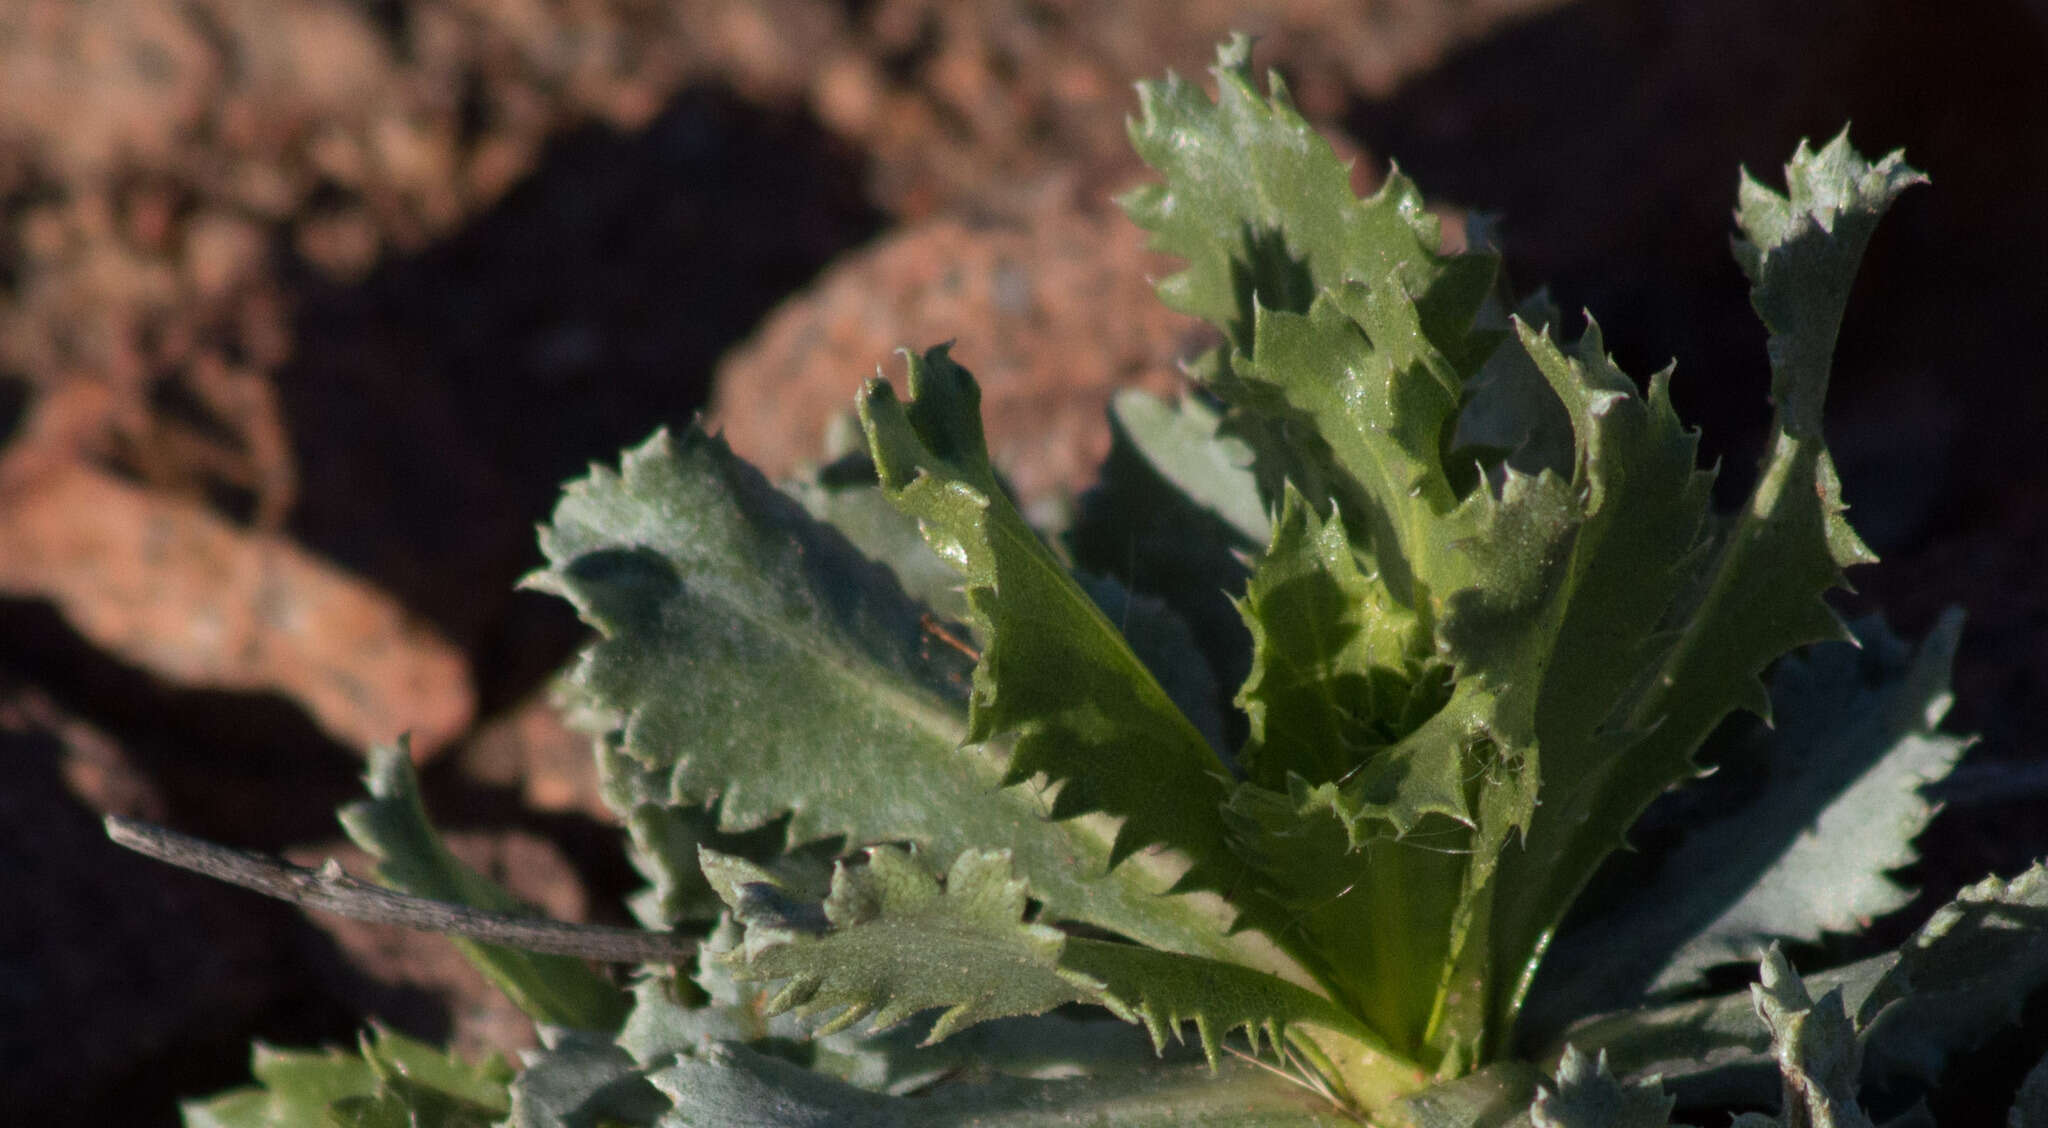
[(329, 889)]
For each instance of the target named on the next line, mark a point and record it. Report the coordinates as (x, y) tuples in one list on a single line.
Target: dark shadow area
[(1607, 136), (14, 400), (436, 408), (250, 769), (127, 985)]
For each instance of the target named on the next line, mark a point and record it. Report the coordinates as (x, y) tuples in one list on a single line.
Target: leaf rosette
[(1339, 693)]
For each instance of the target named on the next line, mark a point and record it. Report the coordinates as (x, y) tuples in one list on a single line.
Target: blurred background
[(308, 306)]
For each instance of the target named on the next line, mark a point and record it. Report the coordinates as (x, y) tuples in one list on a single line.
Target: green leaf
[(1511, 417), (898, 1060), (1055, 677), (846, 495), (727, 1085), (1962, 977), (1262, 211), (1357, 371), (1800, 249), (392, 825), (731, 1086), (1334, 679), (892, 942), (1790, 542), (1349, 335), (1760, 592), (1162, 990), (1816, 1048), (716, 595), (664, 1022), (1498, 1095), (1165, 643), (1846, 764), (580, 1081), (1587, 1095), (894, 945), (1710, 1051), (1370, 918), (1795, 834), (294, 1087), (1164, 519), (1186, 444), (1952, 985), (390, 1078)]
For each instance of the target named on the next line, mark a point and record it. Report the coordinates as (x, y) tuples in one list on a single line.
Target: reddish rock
[(1052, 313), (171, 587), (531, 749)]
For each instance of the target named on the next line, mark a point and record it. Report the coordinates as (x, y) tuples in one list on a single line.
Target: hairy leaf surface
[(1587, 1095), (891, 941), (580, 1081), (1762, 586), (1816, 1048), (1955, 983), (731, 1086), (715, 594), (1795, 834), (1262, 211), (1055, 677)]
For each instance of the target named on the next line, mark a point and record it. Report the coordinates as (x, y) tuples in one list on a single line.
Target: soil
[(308, 306)]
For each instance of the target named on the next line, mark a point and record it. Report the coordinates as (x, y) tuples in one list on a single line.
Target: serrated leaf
[(1055, 678), (1350, 336), (891, 941), (1510, 416), (1799, 838), (1162, 990), (847, 496), (896, 1061), (1587, 1095), (579, 1081), (1816, 1047), (1962, 977), (1709, 1052), (1851, 760), (1800, 249), (1953, 984), (389, 1075), (1260, 207), (731, 1086), (664, 1022), (1762, 586), (1334, 675), (1357, 371), (894, 942), (716, 594), (1370, 918), (392, 825)]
